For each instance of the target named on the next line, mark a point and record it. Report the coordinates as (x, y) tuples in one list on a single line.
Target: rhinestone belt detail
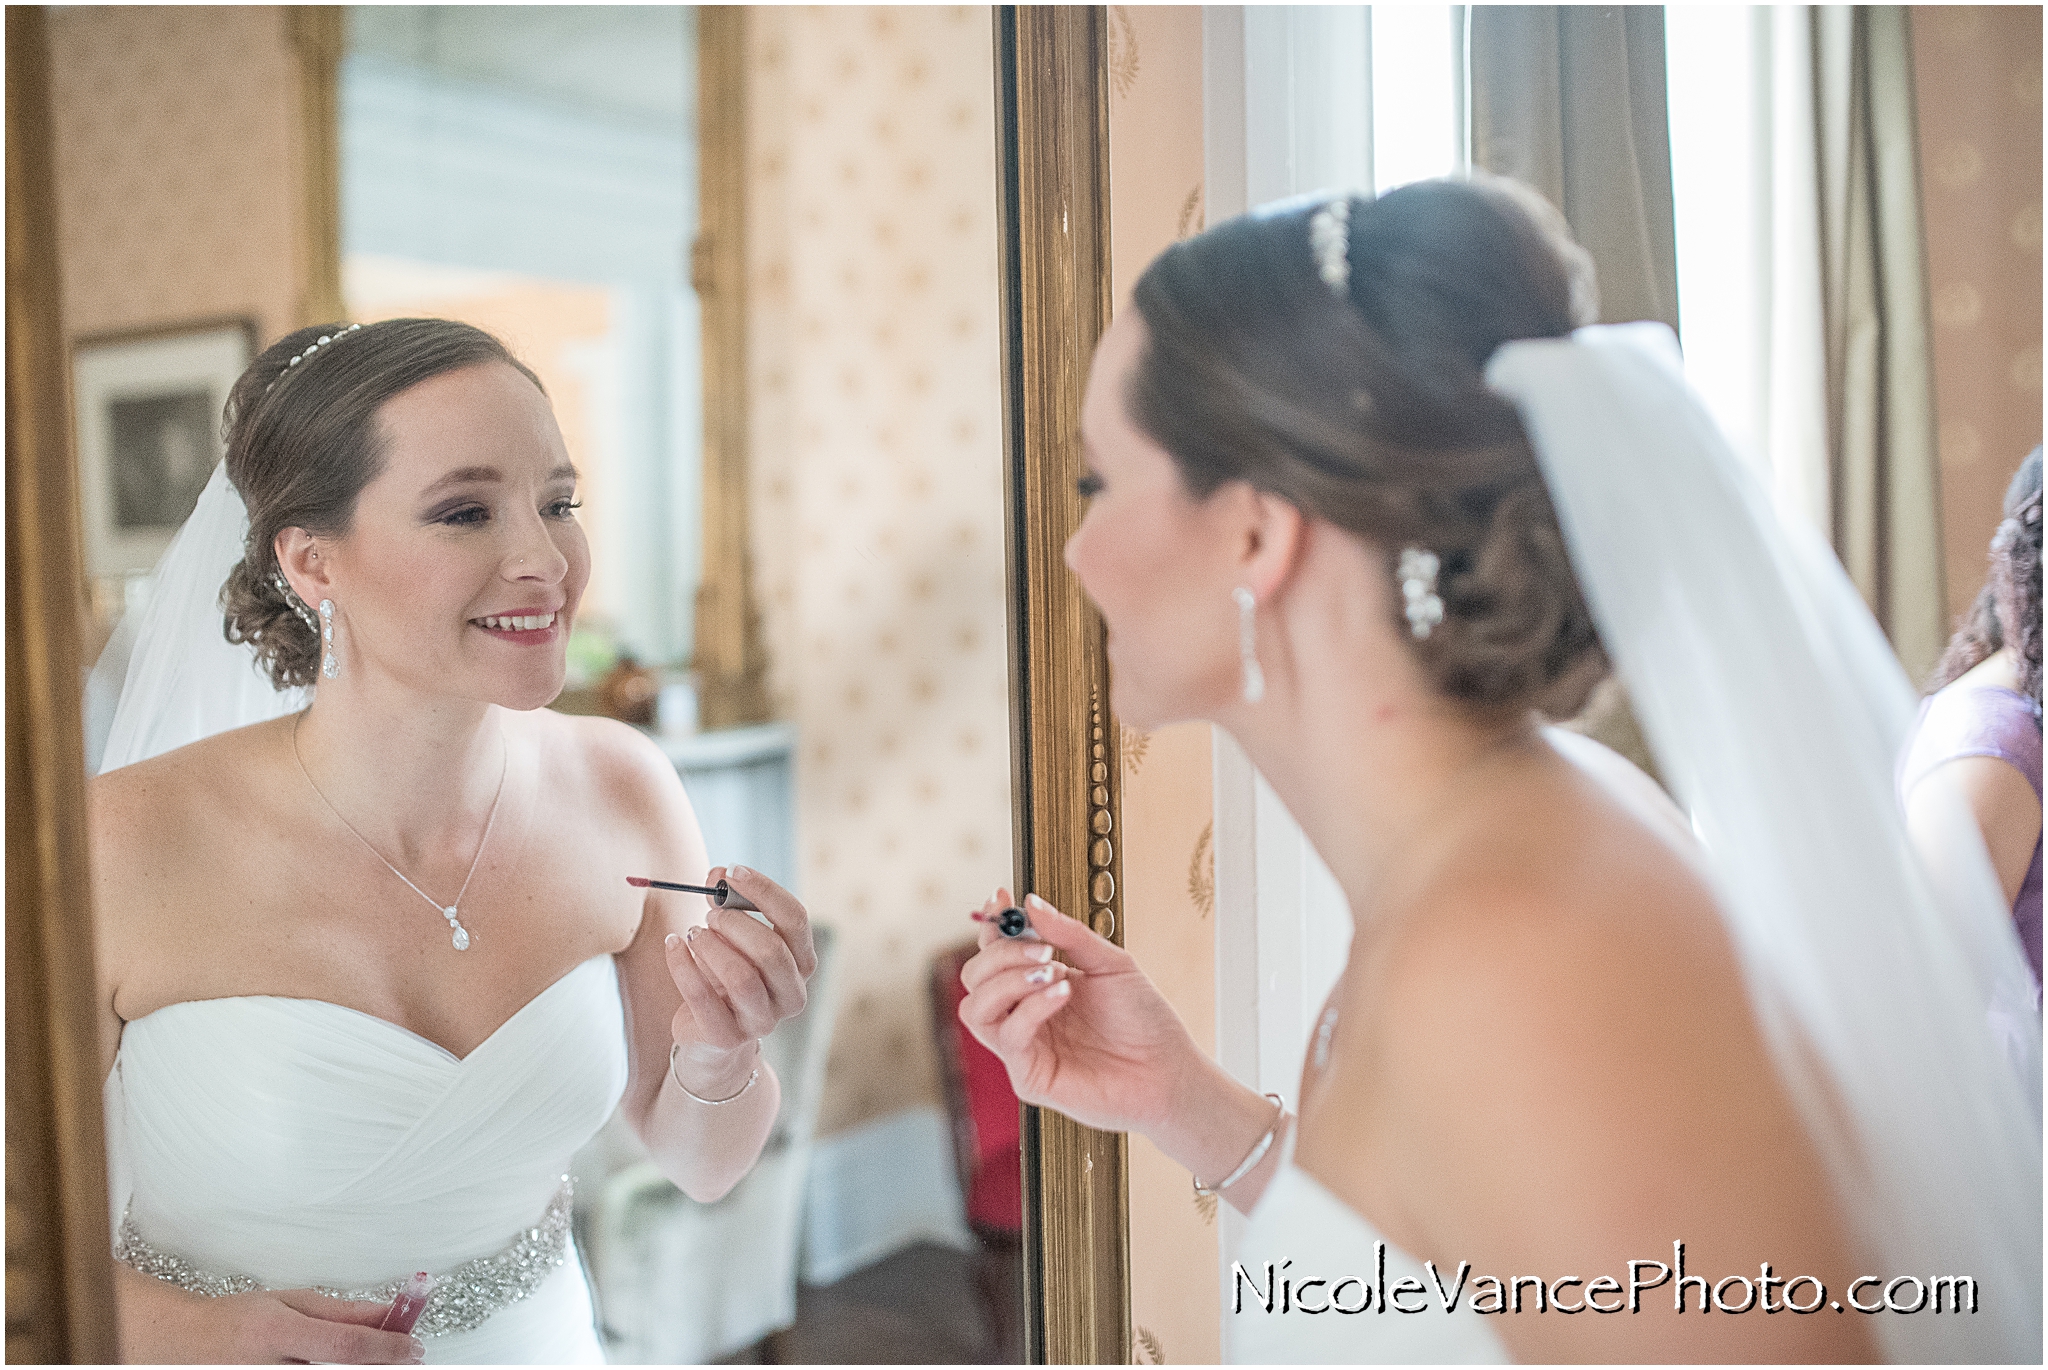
[(463, 1298)]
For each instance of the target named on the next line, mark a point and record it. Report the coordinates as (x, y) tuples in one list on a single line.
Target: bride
[(1360, 494), (370, 967)]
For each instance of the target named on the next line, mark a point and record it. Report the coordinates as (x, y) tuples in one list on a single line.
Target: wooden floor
[(925, 1305)]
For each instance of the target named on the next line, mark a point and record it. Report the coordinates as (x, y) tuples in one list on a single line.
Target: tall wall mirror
[(813, 294), (805, 293)]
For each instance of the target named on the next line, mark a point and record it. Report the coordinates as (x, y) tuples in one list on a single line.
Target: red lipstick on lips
[(505, 627)]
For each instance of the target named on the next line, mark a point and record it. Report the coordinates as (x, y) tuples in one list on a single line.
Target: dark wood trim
[(60, 1292), (1053, 160), (730, 659)]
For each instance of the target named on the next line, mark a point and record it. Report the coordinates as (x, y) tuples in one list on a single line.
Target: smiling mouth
[(515, 623)]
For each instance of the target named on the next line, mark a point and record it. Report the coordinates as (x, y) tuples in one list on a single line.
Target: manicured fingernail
[(419, 1351), (1035, 902), (975, 914), (672, 940), (739, 870), (1039, 976), (1059, 991), (691, 934), (1042, 952), (997, 897)]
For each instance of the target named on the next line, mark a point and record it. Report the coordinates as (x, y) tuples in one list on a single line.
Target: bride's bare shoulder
[(610, 765), (207, 780)]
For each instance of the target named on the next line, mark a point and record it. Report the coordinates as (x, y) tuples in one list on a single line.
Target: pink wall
[(178, 174), (876, 411), (1978, 72), (178, 166)]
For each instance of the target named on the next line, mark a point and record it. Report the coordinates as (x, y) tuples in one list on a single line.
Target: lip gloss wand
[(722, 895)]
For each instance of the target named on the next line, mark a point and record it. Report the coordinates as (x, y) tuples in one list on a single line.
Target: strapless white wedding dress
[(293, 1143), (1309, 1234)]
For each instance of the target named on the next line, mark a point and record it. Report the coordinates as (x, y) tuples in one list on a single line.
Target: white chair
[(679, 1282)]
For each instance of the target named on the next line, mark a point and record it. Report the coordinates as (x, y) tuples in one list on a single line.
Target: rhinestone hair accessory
[(292, 601), (1329, 236), (324, 339), (1424, 608)]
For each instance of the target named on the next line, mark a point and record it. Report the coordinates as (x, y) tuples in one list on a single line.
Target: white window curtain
[(1802, 281), (1743, 172)]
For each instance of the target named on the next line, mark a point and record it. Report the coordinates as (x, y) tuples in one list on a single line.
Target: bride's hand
[(268, 1328), (738, 979), (1093, 1038)]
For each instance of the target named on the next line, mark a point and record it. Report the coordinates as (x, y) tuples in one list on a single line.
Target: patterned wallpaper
[(1155, 198), (1978, 70), (177, 162), (877, 488), (176, 152)]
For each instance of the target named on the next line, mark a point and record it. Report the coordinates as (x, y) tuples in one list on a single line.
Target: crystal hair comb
[(1329, 236)]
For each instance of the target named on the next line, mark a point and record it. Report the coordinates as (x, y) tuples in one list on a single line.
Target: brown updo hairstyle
[(1371, 409), (2007, 611), (303, 440)]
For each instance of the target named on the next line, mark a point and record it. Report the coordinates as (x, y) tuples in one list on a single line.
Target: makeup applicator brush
[(722, 895)]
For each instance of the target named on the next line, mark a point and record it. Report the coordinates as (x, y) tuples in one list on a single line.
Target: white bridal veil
[(169, 675), (1776, 711)]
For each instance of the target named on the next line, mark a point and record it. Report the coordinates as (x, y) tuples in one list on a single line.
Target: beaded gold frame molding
[(1052, 144)]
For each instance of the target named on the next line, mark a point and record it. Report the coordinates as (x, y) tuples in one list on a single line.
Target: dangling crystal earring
[(1248, 644), (1425, 609), (329, 667)]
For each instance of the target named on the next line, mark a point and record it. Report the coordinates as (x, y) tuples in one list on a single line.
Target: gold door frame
[(1052, 134), (730, 660)]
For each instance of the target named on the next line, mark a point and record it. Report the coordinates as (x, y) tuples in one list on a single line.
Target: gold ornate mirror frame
[(1053, 151), (60, 1285), (1052, 132)]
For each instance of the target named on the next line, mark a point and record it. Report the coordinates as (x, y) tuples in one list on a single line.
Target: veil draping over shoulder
[(1776, 710), (169, 675)]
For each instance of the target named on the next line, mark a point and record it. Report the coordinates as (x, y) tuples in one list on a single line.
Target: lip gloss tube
[(410, 1303), (1012, 922)]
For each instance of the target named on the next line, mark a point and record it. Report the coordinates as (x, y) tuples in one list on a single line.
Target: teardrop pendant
[(459, 935)]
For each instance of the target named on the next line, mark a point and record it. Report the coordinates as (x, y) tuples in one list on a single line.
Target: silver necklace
[(459, 935), (1326, 1026)]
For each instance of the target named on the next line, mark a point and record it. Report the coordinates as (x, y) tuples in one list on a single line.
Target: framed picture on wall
[(148, 413)]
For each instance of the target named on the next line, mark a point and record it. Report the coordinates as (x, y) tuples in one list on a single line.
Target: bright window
[(1415, 94)]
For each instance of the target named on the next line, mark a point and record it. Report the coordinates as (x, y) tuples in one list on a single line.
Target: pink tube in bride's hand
[(411, 1301)]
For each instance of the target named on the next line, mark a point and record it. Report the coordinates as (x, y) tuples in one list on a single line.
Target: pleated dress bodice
[(300, 1143)]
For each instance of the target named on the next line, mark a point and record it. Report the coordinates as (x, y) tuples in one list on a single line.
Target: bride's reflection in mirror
[(541, 176)]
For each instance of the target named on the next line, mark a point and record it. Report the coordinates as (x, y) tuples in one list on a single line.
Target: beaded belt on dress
[(463, 1298)]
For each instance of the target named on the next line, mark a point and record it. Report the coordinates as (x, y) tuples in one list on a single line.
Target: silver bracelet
[(1257, 1154), (700, 1098)]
